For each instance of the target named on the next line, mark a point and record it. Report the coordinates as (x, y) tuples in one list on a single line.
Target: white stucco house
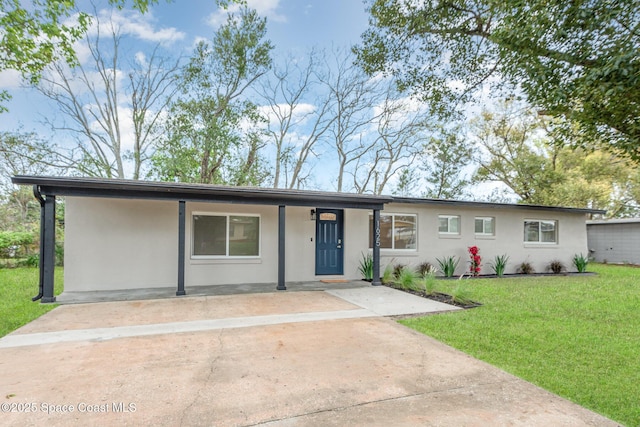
[(123, 234)]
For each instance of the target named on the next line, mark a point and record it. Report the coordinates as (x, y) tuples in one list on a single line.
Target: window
[(449, 224), (485, 226), (397, 231), (540, 231), (226, 235)]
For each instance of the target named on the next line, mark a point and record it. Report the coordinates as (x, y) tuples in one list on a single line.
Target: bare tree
[(355, 95), (299, 112), (399, 135), (99, 104)]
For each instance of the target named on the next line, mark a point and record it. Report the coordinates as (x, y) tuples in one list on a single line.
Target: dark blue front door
[(329, 241)]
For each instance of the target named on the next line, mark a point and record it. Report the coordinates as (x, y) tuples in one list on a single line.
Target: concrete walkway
[(282, 359)]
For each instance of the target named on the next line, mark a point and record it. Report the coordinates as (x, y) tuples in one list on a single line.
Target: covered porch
[(46, 189)]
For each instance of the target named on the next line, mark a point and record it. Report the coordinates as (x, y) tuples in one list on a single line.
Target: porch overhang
[(132, 189), (47, 188)]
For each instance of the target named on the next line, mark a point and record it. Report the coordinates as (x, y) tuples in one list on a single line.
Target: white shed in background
[(614, 240)]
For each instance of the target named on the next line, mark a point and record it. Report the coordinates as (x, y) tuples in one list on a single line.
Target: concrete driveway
[(282, 359)]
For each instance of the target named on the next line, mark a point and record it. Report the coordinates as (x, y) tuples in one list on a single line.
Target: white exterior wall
[(508, 239), (115, 244), (120, 244), (299, 246)]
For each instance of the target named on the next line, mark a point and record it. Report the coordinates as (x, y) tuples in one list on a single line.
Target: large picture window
[(540, 231), (217, 235), (397, 231), (449, 224)]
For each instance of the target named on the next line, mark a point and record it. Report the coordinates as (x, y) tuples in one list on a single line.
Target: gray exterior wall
[(615, 242), (115, 244)]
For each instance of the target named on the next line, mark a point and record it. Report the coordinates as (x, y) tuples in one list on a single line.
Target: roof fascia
[(489, 205), (165, 191)]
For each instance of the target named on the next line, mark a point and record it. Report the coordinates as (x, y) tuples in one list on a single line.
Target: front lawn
[(17, 287), (576, 336)]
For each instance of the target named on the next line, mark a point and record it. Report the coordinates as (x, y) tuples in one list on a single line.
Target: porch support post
[(36, 193), (376, 248), (181, 234), (49, 249), (281, 251)]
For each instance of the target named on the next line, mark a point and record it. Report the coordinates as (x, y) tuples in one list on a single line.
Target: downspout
[(37, 195)]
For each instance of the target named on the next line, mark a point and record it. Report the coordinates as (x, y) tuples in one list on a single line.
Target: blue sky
[(293, 25)]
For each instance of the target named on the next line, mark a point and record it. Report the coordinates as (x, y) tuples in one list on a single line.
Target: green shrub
[(59, 254), (406, 278), (580, 262), (387, 274), (30, 261), (500, 264), (461, 294), (428, 281), (366, 267), (11, 241), (448, 265)]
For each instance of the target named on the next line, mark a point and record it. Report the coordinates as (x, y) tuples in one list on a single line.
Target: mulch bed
[(448, 299), (440, 297)]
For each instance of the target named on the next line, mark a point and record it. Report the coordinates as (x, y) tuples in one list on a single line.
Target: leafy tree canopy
[(517, 150), (38, 32), (578, 60)]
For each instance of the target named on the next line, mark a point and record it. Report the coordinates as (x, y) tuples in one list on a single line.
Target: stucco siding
[(120, 244), (508, 238), (113, 244), (264, 268)]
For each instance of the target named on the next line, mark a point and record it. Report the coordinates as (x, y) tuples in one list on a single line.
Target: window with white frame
[(540, 231), (397, 231), (220, 235), (449, 224), (485, 226)]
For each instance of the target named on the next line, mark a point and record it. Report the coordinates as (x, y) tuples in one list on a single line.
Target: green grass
[(17, 287), (576, 336)]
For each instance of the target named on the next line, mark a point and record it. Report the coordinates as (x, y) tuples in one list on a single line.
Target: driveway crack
[(213, 367)]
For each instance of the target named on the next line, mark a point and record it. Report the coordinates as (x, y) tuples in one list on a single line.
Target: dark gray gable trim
[(131, 189), (460, 203)]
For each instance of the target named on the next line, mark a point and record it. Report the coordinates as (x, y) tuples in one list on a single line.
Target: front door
[(329, 241)]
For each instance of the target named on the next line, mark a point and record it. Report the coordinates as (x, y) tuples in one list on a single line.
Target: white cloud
[(141, 59), (10, 79), (266, 8), (301, 114), (140, 26), (126, 23)]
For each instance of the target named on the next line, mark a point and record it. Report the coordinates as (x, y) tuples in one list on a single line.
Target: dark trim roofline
[(490, 205), (617, 221), (134, 189)]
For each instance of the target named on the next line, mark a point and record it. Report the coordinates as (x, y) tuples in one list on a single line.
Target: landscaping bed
[(439, 296)]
